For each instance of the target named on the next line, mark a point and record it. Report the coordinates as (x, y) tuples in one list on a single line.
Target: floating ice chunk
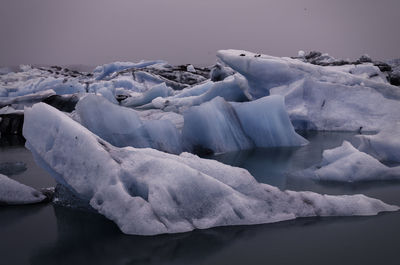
[(214, 127), (148, 79), (347, 164), (195, 90), (217, 126), (190, 68), (35, 85), (220, 72), (385, 145), (148, 192), (160, 90), (104, 70), (13, 192), (10, 110), (122, 126), (26, 100), (266, 122)]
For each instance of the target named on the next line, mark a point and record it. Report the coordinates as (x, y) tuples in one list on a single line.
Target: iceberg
[(218, 126), (347, 164), (13, 193), (123, 127), (317, 97), (160, 90), (148, 192), (214, 127)]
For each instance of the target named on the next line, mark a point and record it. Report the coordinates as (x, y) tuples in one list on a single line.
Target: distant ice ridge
[(103, 71), (347, 98), (347, 164), (12, 192), (148, 192)]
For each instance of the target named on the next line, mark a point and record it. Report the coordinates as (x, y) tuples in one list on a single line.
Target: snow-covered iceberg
[(317, 97), (218, 126), (12, 192), (149, 192), (347, 164)]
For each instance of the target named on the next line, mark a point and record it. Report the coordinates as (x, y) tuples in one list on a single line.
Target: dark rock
[(365, 59), (312, 55), (394, 78), (65, 103), (11, 124), (119, 98), (384, 67), (202, 151), (49, 193)]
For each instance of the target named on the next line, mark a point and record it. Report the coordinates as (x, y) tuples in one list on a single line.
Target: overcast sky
[(183, 31)]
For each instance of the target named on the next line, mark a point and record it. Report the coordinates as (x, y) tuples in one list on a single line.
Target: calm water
[(47, 234)]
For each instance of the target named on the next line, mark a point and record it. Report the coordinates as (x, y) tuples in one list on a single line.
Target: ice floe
[(13, 192)]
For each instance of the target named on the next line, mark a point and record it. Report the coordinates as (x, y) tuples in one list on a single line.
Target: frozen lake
[(47, 234)]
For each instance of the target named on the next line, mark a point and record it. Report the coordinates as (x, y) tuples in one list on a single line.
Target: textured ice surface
[(13, 192), (123, 127), (147, 192), (219, 126), (385, 145), (316, 97), (347, 164), (160, 90)]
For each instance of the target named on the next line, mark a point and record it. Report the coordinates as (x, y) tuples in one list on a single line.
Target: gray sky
[(185, 31)]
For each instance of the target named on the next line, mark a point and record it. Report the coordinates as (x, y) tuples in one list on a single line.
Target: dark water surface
[(47, 234)]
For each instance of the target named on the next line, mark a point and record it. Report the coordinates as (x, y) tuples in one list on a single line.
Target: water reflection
[(87, 238)]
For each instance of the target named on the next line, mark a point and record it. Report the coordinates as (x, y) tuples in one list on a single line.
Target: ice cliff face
[(147, 192)]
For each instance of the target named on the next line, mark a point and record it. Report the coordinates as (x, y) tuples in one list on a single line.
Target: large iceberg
[(149, 192), (12, 192), (316, 97)]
